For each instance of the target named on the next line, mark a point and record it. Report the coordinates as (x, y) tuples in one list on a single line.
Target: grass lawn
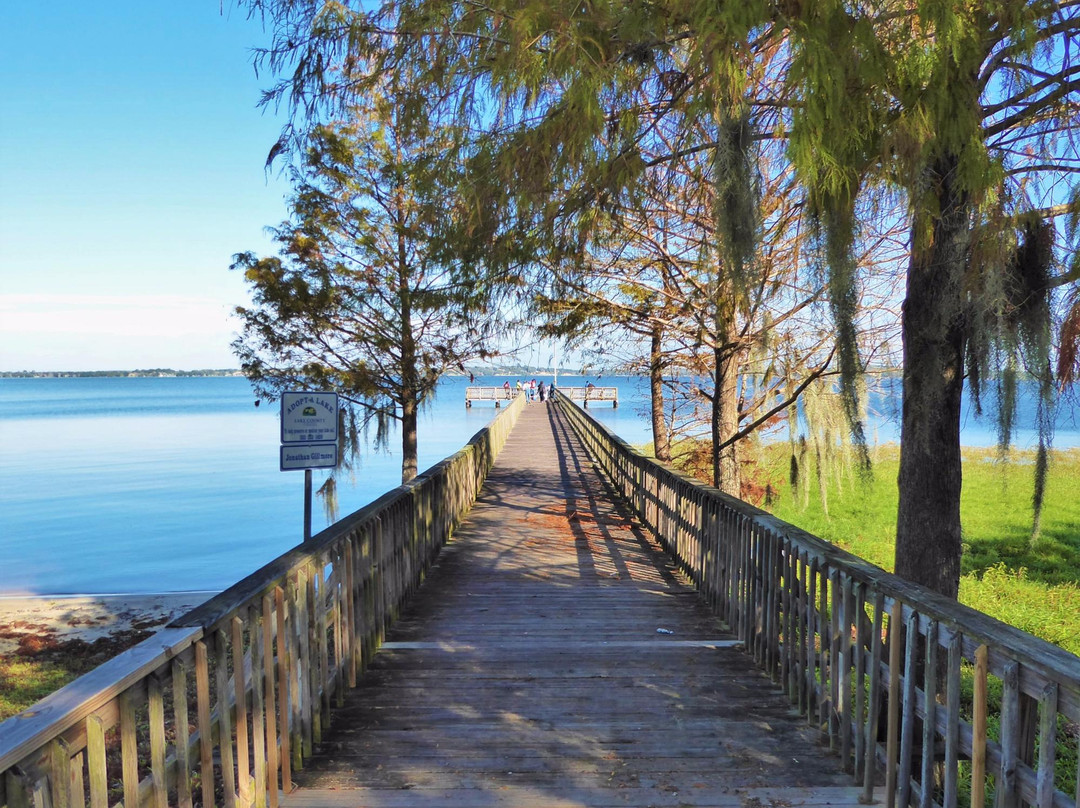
[(25, 681), (43, 664), (1033, 586)]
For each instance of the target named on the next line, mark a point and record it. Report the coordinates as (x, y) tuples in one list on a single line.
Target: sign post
[(307, 505), (309, 435)]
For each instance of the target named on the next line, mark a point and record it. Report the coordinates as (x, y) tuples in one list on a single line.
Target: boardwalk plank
[(526, 797), (528, 670)]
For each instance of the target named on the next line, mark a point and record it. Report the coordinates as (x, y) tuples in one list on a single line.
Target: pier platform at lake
[(586, 395)]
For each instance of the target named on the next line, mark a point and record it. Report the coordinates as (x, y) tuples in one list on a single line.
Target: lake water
[(117, 485), (172, 484)]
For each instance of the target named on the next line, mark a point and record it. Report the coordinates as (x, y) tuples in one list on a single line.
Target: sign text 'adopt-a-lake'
[(309, 417)]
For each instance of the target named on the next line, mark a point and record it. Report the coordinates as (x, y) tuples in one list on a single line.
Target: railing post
[(285, 679), (790, 571), (182, 738), (17, 789), (815, 693), (129, 752), (1028, 731), (1044, 784), (892, 748), (952, 707), (979, 726), (907, 726), (825, 702), (299, 674), (870, 743), (156, 720), (858, 653), (803, 652), (352, 633), (835, 613), (206, 732), (270, 693), (225, 726), (1005, 785), (259, 754), (240, 690), (60, 774), (320, 688), (843, 704), (930, 688)]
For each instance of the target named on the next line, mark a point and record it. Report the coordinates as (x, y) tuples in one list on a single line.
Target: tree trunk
[(408, 439), (725, 419), (409, 383), (661, 442), (928, 535)]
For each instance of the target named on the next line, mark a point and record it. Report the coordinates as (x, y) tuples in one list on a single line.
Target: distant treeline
[(93, 374)]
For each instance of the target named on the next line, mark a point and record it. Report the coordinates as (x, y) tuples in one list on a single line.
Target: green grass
[(1033, 586), (23, 682)]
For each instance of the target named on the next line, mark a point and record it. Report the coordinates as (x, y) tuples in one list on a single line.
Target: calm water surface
[(172, 484), (153, 485)]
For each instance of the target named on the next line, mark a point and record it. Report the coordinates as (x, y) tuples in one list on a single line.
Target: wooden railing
[(496, 394), (220, 707), (590, 395), (936, 701)]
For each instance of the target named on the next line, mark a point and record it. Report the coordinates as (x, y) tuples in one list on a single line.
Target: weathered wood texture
[(256, 668), (496, 394), (592, 395), (875, 661), (535, 667)]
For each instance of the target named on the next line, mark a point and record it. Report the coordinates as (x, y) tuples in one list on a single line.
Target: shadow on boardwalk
[(555, 658)]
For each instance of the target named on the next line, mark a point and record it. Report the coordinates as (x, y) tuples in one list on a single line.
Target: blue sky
[(131, 170)]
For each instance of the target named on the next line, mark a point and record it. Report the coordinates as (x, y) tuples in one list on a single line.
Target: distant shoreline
[(147, 373), (155, 373)]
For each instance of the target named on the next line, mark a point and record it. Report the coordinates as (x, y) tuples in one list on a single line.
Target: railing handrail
[(760, 573), (932, 604), (208, 614), (58, 712), (595, 390), (31, 732)]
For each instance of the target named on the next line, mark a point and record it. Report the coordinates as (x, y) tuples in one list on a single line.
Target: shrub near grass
[(1031, 585)]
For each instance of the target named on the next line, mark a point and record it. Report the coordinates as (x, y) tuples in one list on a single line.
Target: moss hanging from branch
[(1009, 335), (836, 221), (738, 197)]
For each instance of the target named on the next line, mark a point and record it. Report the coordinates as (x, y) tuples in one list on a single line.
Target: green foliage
[(378, 288), (1033, 587), (1046, 610), (961, 108), (24, 682)]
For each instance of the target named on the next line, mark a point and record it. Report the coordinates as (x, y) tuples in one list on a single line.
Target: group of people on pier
[(532, 389)]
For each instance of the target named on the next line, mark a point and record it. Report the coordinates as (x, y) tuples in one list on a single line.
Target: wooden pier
[(501, 395), (556, 658)]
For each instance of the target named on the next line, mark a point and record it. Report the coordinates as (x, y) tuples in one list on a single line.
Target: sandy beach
[(31, 624)]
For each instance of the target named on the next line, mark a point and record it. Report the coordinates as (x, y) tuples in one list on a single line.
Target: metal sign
[(299, 456), (309, 418)]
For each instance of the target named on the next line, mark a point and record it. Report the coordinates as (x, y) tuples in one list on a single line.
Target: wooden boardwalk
[(555, 658)]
